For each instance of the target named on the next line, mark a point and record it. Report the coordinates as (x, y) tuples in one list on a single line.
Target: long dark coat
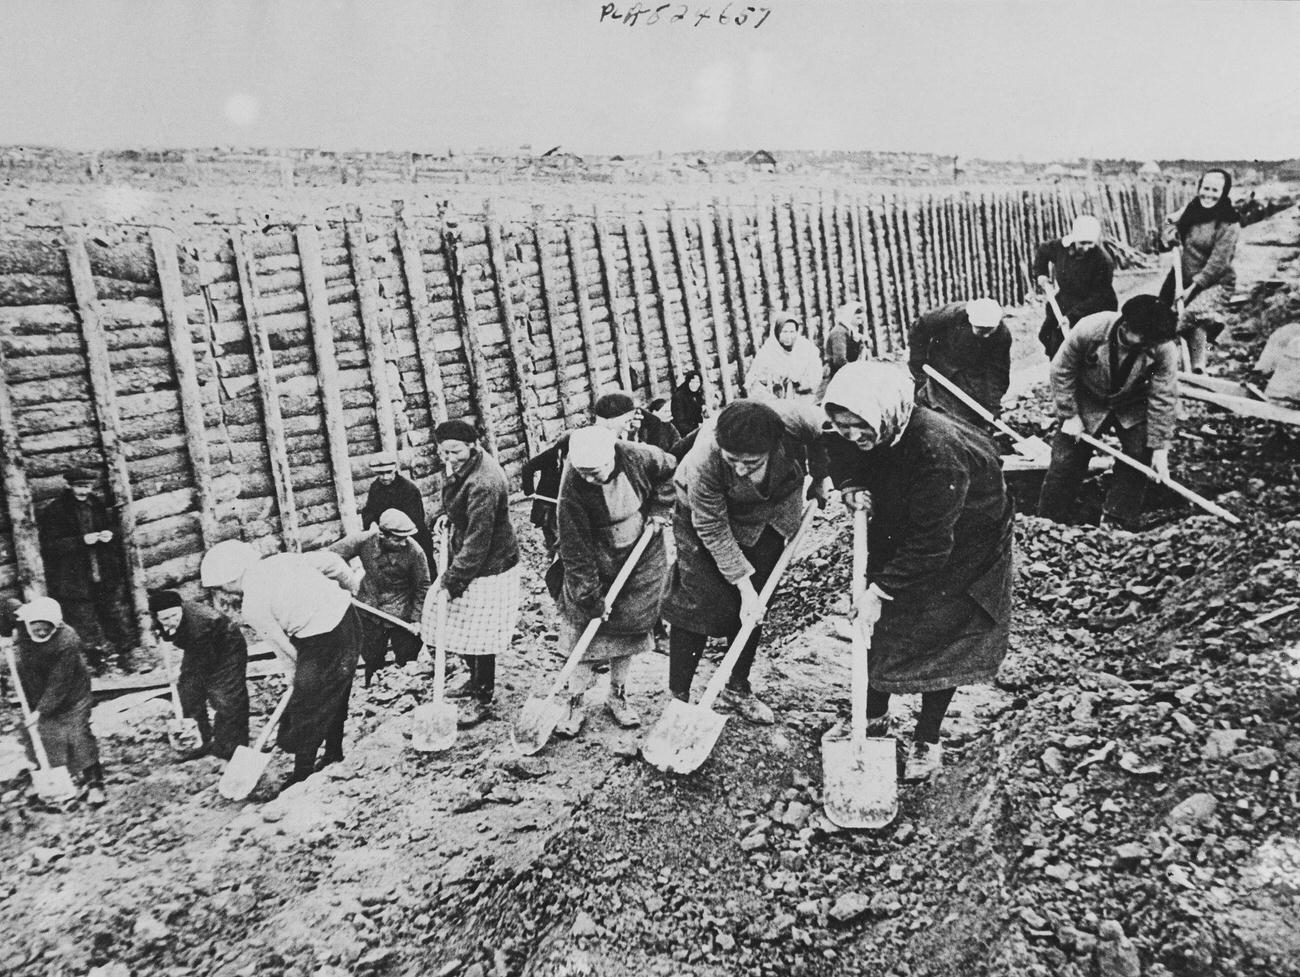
[(939, 544), (979, 366), (74, 569), (56, 682), (477, 504), (404, 496), (214, 667)]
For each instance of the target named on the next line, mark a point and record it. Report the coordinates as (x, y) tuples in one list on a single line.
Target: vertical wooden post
[(821, 303), (417, 290), (863, 275), (641, 307), (885, 321), (363, 276), (800, 274), (907, 258), (895, 266), (744, 314), (720, 340), (930, 237), (686, 277), (765, 220), (609, 281), (181, 343), (516, 329), (100, 371), (844, 249), (462, 290), (327, 374), (268, 392), (18, 496), (578, 273), (675, 365), (551, 301)]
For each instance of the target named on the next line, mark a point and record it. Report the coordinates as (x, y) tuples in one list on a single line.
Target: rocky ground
[(1122, 803)]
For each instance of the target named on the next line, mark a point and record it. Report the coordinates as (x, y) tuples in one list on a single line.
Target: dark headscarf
[(1197, 213)]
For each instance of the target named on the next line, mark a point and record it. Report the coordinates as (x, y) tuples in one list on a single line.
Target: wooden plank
[(685, 276), (327, 374), (104, 396), (720, 340), (269, 394), (881, 330), (471, 341), (551, 302), (816, 331), (641, 307), (417, 290), (578, 271), (609, 284), (18, 497), (830, 266), (745, 314), (675, 365), (861, 275), (372, 327), (1245, 406), (844, 251), (769, 263), (180, 341), (520, 342)]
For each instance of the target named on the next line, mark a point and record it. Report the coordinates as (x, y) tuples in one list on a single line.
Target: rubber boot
[(618, 707)]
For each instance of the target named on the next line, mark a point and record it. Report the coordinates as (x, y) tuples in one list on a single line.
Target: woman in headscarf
[(787, 366), (657, 426), (1084, 279), (739, 500), (610, 492), (688, 404), (1206, 229), (939, 551), (482, 577)]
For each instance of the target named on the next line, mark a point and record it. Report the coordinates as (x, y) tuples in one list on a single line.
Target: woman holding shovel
[(739, 500), (610, 491), (1206, 231), (482, 579), (939, 546)]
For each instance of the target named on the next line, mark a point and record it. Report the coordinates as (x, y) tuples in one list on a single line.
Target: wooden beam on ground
[(372, 326), (327, 374), (551, 302), (268, 392), (470, 335), (1245, 406), (18, 497), (578, 271), (180, 340), (641, 307), (417, 290), (520, 342), (609, 282), (104, 395)]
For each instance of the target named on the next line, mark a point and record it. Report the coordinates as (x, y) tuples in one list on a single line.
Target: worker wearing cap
[(1084, 276), (84, 568), (393, 490), (56, 682), (970, 345), (302, 604), (396, 581), (214, 667), (611, 491)]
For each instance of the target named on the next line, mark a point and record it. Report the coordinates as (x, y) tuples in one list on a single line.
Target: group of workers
[(721, 495)]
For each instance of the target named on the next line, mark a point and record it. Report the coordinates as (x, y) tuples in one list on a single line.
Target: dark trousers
[(685, 649), (1069, 468), (482, 675), (304, 758), (322, 688), (103, 621), (376, 639), (225, 688), (934, 706)]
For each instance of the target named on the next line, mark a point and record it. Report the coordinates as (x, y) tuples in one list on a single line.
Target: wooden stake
[(641, 307), (462, 288), (821, 299), (609, 282), (417, 290), (517, 336), (181, 343), (745, 284), (268, 392), (569, 405), (675, 366), (104, 395), (844, 249), (363, 275), (770, 266), (801, 273), (887, 319), (578, 271), (720, 340), (686, 277), (18, 497), (863, 272)]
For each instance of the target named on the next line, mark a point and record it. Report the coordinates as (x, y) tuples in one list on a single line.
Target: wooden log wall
[(238, 381)]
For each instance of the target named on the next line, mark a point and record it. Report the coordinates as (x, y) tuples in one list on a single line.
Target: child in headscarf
[(939, 550), (787, 366)]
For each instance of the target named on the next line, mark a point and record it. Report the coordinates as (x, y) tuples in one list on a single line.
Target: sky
[(1038, 80)]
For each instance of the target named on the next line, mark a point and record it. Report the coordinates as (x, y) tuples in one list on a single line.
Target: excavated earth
[(1122, 802)]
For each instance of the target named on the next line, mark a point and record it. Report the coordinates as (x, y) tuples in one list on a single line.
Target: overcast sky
[(1138, 78)]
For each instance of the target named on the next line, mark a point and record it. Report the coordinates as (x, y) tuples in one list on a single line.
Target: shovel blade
[(859, 780), (536, 723), (433, 727), (242, 773), (1035, 449), (683, 737), (54, 784)]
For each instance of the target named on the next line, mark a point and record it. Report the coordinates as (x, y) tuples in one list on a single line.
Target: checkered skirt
[(482, 620)]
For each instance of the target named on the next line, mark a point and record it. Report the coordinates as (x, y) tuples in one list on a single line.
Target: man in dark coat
[(393, 490), (214, 666), (85, 570), (970, 345), (1084, 279)]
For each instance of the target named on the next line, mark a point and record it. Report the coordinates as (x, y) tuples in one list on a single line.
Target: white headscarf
[(591, 447), (882, 394)]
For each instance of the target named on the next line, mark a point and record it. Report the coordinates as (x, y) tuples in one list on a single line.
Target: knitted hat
[(748, 427), (80, 475), (613, 405), (1149, 318), (396, 523), (161, 600), (456, 431)]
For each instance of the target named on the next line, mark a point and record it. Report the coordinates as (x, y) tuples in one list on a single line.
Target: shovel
[(53, 784), (1062, 322), (182, 733), (1180, 307), (1033, 447), (859, 772), (540, 714), (685, 734), (248, 764), (434, 723)]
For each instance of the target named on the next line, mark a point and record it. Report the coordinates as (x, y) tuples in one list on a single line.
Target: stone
[(1032, 919), (149, 929), (1220, 743), (754, 841), (1052, 761), (1116, 955), (1194, 810), (796, 814), (583, 925), (1131, 852), (1256, 760), (110, 970)]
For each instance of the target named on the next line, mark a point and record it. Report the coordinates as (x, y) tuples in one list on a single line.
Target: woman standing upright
[(1084, 279), (1206, 229), (482, 578), (688, 404), (939, 553), (787, 366)]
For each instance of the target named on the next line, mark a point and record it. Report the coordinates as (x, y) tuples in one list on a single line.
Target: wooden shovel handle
[(714, 688), (861, 644), (1183, 490), (972, 403), (42, 758), (274, 721), (385, 616)]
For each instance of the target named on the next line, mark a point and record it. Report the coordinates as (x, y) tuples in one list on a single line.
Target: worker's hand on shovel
[(33, 718), (1160, 462), (749, 603), (865, 610), (857, 498), (1072, 427)]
